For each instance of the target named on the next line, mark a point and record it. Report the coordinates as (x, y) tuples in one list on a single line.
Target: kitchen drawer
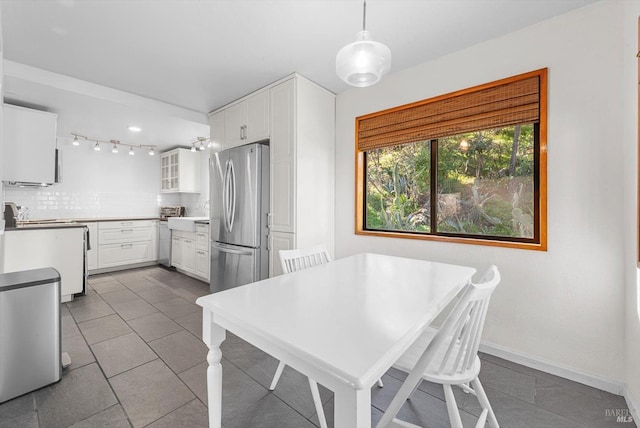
[(125, 234), (123, 224), (202, 236), (124, 254)]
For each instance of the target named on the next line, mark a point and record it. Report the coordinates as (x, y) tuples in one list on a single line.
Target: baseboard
[(557, 369), (120, 268), (634, 409)]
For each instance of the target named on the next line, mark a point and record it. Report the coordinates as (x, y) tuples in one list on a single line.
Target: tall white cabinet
[(302, 167), (301, 132)]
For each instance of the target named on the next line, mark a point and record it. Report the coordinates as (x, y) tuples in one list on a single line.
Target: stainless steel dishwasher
[(30, 349), (164, 243)]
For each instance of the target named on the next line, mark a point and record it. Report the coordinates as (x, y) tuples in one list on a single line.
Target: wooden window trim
[(542, 179)]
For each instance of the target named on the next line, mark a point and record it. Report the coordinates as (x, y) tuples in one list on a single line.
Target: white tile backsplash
[(50, 204), (103, 184), (97, 184)]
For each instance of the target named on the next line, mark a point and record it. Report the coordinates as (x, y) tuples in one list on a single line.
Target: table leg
[(352, 408), (213, 335)]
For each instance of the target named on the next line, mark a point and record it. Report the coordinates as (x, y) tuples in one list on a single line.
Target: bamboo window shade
[(507, 102)]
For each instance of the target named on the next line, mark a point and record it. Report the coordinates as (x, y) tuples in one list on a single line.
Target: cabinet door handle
[(126, 230), (126, 223), (126, 245), (269, 217)]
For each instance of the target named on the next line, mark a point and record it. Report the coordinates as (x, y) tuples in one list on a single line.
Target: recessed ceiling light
[(134, 129)]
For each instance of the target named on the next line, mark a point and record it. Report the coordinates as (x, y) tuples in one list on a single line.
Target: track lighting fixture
[(201, 146), (115, 143)]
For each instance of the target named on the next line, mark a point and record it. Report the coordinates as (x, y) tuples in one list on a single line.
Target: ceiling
[(193, 56)]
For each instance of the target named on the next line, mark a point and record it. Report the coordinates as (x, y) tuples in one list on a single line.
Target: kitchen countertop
[(86, 220), (37, 226), (79, 222)]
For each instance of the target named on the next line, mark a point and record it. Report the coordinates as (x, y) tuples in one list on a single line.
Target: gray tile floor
[(138, 361)]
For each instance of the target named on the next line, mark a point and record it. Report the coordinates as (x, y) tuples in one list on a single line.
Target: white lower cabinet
[(176, 250), (61, 248), (279, 241), (202, 251), (190, 251), (124, 254), (202, 263), (92, 254), (126, 242)]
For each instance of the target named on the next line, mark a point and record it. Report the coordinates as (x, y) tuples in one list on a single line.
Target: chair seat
[(410, 358)]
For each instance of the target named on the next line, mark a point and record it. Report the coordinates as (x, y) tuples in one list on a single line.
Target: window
[(464, 167)]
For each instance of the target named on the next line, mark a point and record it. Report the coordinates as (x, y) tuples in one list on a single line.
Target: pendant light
[(96, 147), (75, 141), (131, 152), (151, 152), (363, 62), (115, 146)]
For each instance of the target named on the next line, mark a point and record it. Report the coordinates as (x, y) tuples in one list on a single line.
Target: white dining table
[(342, 324)]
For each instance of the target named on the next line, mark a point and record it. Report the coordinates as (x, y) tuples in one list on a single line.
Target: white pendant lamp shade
[(363, 62)]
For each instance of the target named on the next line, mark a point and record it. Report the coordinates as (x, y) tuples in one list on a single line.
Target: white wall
[(97, 184), (562, 306), (630, 166)]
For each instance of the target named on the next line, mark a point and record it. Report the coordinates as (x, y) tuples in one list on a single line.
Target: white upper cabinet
[(216, 126), (179, 171), (257, 127), (246, 121), (29, 145), (298, 118)]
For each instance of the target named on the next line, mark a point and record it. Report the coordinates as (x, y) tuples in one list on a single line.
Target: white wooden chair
[(294, 260), (449, 356)]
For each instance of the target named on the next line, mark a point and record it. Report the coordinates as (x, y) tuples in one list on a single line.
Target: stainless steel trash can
[(30, 349)]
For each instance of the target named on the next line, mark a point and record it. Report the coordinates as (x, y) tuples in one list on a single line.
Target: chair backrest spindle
[(294, 260)]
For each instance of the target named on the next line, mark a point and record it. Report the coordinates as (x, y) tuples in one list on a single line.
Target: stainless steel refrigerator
[(239, 203)]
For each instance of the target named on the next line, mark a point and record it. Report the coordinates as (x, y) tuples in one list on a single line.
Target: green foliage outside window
[(485, 185)]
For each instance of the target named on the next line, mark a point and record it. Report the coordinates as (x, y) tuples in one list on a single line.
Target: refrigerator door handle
[(232, 189), (226, 196), (232, 251)]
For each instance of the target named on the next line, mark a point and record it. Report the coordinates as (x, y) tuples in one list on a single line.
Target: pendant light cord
[(364, 15)]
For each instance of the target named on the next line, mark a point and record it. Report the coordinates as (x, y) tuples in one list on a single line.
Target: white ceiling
[(201, 54)]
